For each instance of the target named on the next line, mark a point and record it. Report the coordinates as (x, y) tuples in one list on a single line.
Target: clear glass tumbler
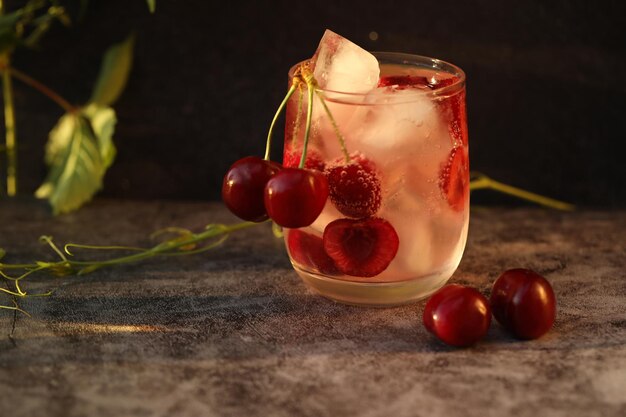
[(394, 227)]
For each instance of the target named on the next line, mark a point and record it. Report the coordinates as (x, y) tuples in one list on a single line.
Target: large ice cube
[(341, 65), (395, 125)]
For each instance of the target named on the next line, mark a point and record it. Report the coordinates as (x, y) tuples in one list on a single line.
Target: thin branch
[(42, 88)]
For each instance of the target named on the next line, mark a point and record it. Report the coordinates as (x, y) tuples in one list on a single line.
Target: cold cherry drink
[(404, 149)]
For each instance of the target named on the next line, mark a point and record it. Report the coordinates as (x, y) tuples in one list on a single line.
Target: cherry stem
[(43, 89), (309, 114), (482, 181), (296, 127), (268, 144), (217, 233), (342, 141)]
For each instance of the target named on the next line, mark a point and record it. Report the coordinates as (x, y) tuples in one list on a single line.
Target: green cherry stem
[(296, 126), (268, 143), (482, 181), (309, 115), (215, 233)]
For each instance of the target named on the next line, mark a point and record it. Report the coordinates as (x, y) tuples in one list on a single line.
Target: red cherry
[(355, 188), (295, 197), (308, 250), (361, 248), (523, 302), (454, 179), (243, 187), (457, 315)]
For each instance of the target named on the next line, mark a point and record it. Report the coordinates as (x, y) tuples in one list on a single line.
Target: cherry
[(294, 197), (457, 315), (308, 250), (454, 179), (363, 247), (243, 186), (523, 302)]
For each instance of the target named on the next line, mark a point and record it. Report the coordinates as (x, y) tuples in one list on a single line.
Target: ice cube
[(341, 65), (397, 125)]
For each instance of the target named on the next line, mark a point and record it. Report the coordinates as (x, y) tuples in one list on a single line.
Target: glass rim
[(408, 59)]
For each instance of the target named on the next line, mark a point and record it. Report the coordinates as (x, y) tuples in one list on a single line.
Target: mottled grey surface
[(235, 333)]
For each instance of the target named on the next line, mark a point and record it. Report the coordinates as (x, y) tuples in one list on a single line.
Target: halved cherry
[(454, 179), (295, 197), (361, 248), (243, 187), (308, 250)]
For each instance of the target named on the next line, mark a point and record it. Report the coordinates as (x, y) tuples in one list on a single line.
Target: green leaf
[(2, 253), (103, 122), (151, 5), (79, 150), (114, 72)]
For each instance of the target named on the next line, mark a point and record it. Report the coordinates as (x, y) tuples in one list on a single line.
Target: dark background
[(546, 86)]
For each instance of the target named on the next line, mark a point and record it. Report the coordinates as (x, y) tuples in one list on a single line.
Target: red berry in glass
[(243, 187), (454, 179), (354, 187), (524, 303), (307, 250), (458, 315), (362, 248), (294, 197)]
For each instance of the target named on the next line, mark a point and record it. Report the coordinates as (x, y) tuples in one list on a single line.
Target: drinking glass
[(408, 138)]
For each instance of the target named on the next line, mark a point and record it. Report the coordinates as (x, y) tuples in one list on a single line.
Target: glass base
[(384, 294)]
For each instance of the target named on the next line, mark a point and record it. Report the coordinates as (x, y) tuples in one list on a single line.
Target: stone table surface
[(234, 332)]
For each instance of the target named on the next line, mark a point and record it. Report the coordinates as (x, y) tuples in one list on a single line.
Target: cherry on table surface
[(294, 197), (244, 185), (458, 315), (523, 302)]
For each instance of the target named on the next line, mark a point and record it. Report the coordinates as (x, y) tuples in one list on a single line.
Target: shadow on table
[(153, 327)]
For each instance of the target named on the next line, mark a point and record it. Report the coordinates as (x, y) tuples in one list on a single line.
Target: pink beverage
[(394, 227)]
